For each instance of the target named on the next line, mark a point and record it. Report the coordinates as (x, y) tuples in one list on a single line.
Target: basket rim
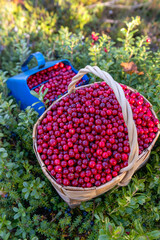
[(71, 188)]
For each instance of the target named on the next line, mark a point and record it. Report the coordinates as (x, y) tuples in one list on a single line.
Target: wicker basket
[(75, 195)]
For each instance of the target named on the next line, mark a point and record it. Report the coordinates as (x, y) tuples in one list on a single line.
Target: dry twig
[(120, 6)]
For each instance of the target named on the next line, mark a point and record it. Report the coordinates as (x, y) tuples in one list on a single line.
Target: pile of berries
[(83, 139), (56, 79)]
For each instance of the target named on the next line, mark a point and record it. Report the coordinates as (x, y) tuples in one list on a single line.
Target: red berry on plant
[(148, 40)]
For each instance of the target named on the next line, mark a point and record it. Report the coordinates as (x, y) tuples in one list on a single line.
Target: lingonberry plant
[(29, 206), (41, 96)]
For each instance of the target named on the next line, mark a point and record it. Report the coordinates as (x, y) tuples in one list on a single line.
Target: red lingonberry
[(108, 177)]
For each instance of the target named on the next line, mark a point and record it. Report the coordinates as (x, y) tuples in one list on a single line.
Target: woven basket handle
[(126, 109)]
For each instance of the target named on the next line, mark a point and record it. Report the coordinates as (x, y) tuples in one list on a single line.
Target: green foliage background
[(30, 208)]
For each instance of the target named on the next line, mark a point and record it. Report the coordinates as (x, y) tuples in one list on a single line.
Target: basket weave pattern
[(75, 195)]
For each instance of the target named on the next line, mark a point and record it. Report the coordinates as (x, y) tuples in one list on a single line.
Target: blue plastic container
[(18, 84)]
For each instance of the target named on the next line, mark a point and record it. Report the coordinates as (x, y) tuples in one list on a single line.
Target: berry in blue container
[(50, 78)]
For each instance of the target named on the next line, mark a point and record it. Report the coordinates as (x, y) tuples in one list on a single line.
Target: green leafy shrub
[(111, 232), (30, 207)]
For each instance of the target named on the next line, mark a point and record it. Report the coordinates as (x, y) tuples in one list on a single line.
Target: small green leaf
[(24, 190), (25, 184), (41, 107), (15, 209), (109, 228), (138, 226), (17, 215), (35, 104), (26, 195), (154, 234), (23, 214), (45, 92), (141, 238), (119, 231), (104, 237), (96, 216), (40, 90), (8, 223), (34, 94)]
